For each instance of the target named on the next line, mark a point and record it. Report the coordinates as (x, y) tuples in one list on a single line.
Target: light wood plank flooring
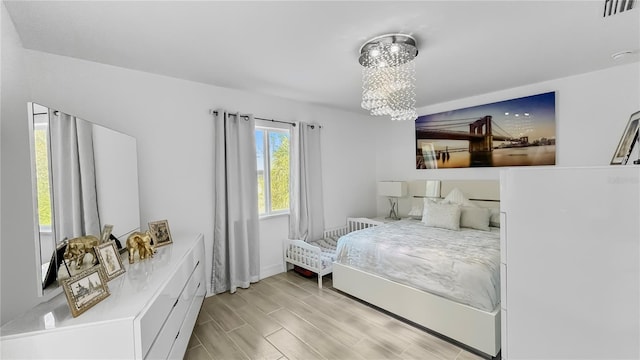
[(287, 317)]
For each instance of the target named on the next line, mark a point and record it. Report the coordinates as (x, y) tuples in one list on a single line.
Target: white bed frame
[(308, 256), (475, 328)]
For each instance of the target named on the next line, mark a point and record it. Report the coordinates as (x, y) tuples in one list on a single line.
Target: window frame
[(270, 127)]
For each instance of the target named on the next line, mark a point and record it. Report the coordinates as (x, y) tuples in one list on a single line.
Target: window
[(272, 152)]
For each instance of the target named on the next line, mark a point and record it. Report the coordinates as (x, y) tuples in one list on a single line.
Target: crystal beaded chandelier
[(388, 76)]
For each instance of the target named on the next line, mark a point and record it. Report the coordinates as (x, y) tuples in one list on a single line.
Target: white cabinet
[(150, 313), (570, 263)]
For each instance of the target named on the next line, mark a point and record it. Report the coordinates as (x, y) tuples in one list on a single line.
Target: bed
[(450, 286)]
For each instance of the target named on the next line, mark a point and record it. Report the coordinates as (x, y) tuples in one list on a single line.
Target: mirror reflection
[(85, 179)]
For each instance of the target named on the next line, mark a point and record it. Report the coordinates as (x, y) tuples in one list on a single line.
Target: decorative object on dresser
[(514, 132), (109, 258), (85, 289), (393, 190), (78, 247), (160, 233), (150, 313), (140, 242), (630, 138), (106, 233)]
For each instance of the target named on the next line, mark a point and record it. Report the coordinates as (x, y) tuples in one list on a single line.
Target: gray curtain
[(306, 213), (236, 243), (73, 176)]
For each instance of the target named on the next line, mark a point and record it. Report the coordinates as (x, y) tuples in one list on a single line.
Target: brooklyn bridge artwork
[(516, 132)]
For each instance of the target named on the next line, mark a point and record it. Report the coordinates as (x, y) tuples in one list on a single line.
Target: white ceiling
[(308, 51)]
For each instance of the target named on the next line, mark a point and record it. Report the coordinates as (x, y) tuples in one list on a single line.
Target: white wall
[(17, 246), (592, 111), (170, 120)]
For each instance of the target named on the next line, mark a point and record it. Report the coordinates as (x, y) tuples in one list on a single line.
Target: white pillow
[(495, 218), (446, 216), (456, 196), (475, 218), (425, 201)]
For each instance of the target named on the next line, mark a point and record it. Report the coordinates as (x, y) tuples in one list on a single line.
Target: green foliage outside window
[(280, 173), (275, 145), (42, 177)]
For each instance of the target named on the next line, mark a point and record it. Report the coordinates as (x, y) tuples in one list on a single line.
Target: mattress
[(328, 248), (463, 266)]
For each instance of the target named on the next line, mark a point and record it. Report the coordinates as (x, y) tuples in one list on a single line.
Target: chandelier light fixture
[(388, 76)]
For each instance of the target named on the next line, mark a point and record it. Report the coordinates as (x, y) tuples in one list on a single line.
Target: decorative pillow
[(495, 218), (424, 207), (446, 216), (456, 196), (475, 218)]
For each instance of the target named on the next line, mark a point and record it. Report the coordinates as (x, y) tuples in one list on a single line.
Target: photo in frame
[(160, 233), (515, 132), (106, 233), (109, 257), (85, 289), (630, 137)]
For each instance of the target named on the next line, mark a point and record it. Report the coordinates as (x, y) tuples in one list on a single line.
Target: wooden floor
[(287, 317)]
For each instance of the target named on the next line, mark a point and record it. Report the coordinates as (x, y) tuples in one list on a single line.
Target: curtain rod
[(215, 112)]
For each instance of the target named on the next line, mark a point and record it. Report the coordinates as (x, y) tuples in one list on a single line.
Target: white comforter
[(460, 265)]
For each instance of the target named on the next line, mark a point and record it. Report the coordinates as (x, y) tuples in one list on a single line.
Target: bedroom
[(151, 106)]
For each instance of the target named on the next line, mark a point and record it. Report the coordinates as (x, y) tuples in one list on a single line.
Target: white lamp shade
[(392, 188)]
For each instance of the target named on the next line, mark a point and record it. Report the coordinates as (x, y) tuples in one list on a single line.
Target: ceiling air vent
[(612, 7)]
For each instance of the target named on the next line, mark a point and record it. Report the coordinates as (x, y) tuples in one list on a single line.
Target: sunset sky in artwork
[(532, 116)]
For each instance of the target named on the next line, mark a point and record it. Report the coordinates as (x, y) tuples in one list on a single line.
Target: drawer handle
[(178, 334), (175, 303)]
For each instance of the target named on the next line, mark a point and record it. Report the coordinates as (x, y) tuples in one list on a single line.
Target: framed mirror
[(84, 177)]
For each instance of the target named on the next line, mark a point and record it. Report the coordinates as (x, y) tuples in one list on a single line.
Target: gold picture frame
[(110, 259), (85, 290), (160, 233)]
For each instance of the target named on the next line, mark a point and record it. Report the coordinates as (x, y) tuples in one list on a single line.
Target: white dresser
[(150, 313)]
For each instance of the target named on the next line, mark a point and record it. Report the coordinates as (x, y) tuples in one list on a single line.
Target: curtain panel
[(306, 213), (236, 243), (75, 200)]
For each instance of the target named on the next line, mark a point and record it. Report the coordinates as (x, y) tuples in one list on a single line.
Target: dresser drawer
[(169, 332), (182, 340), (155, 316)]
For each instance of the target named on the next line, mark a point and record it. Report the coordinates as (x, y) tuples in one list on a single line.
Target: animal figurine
[(140, 242), (78, 247)]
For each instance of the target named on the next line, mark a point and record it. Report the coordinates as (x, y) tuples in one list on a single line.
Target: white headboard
[(483, 192)]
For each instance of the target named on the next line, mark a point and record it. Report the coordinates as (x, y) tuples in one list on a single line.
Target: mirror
[(84, 176)]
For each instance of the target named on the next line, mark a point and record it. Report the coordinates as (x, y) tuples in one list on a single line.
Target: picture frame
[(110, 259), (106, 233), (160, 233), (85, 290), (512, 132), (629, 138)]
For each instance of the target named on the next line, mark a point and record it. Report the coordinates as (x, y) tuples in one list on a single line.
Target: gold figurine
[(78, 247), (140, 241)]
